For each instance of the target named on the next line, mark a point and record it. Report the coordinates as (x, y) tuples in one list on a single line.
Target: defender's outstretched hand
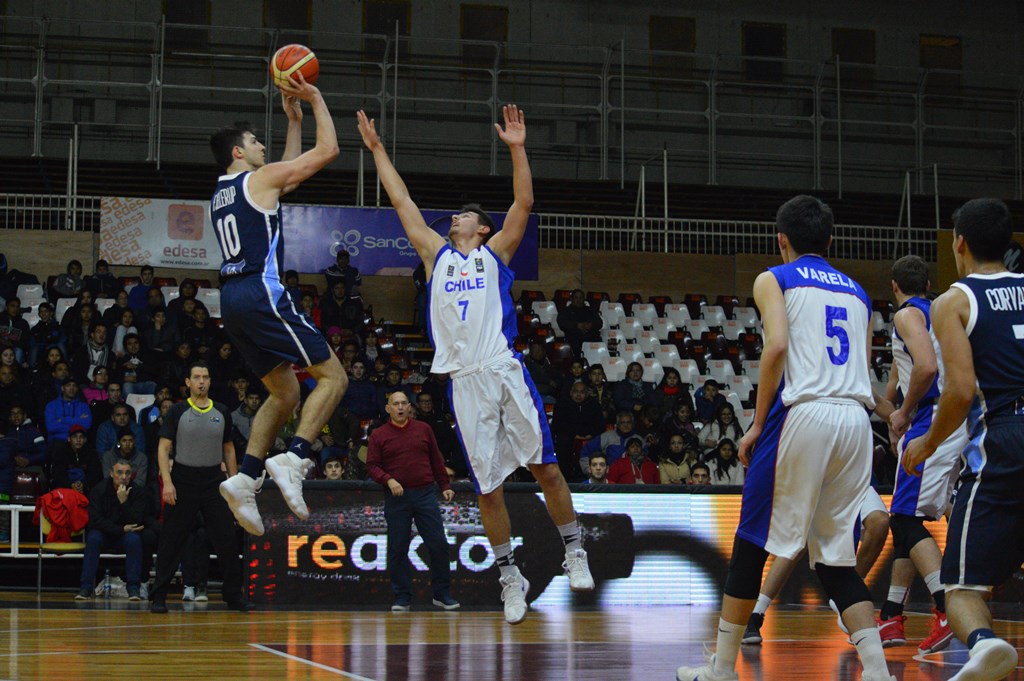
[(367, 130), (514, 133)]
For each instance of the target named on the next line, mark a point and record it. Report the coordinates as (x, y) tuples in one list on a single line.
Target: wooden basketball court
[(59, 638)]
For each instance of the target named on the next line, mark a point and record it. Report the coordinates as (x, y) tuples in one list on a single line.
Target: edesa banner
[(178, 234)]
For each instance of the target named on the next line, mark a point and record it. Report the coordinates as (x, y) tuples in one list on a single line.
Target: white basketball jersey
[(472, 316), (828, 316), (901, 356)]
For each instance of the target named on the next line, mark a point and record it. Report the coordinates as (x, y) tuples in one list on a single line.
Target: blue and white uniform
[(259, 315), (811, 466), (985, 540), (926, 495), (499, 414)]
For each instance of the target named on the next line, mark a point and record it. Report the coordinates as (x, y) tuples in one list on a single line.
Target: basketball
[(291, 59)]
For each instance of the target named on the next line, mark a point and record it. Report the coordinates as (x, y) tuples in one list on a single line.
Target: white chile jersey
[(472, 317), (902, 358), (828, 316)]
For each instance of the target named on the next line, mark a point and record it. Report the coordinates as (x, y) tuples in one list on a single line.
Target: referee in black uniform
[(196, 433)]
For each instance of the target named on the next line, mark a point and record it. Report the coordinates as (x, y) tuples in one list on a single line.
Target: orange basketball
[(291, 59)]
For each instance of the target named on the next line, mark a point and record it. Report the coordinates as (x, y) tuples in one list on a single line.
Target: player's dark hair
[(807, 222), (224, 141), (482, 217), (986, 226), (911, 274)]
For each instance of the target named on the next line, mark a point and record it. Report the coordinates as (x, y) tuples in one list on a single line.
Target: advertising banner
[(178, 234), (644, 549)]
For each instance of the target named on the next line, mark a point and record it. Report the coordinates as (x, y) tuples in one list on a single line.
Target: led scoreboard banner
[(654, 546)]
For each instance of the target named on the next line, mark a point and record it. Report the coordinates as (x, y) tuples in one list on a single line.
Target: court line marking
[(244, 622), (133, 651), (311, 663)]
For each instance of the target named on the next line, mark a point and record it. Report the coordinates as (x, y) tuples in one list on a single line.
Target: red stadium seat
[(659, 303), (628, 300)]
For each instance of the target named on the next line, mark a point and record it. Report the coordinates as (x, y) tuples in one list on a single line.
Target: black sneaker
[(134, 593), (158, 607), (240, 604), (446, 602), (402, 604), (83, 595), (752, 636)]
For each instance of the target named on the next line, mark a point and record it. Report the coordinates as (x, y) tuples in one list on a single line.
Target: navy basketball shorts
[(985, 539), (261, 320)]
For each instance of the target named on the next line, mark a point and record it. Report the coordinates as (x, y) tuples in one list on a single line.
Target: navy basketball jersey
[(902, 358), (250, 236), (996, 331)]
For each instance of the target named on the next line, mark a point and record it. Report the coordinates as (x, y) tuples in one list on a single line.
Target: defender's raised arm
[(505, 242)]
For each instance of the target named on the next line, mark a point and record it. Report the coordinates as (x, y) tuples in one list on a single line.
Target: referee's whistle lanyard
[(201, 410)]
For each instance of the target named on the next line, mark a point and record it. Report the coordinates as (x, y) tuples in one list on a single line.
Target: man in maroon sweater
[(403, 456)]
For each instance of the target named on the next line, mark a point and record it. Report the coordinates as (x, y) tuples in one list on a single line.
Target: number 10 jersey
[(828, 314), (249, 235), (472, 318)]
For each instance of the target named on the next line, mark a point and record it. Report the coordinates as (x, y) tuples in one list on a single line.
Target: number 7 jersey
[(829, 315), (472, 318)]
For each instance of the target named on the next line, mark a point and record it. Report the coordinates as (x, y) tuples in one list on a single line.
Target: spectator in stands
[(66, 411), (224, 363), (176, 370), (361, 395), (43, 367), (631, 393), (125, 449), (136, 369), (675, 460), (700, 474), (117, 521), (46, 390), (634, 467), (611, 443), (161, 337), (723, 426), (601, 390), (76, 324), (575, 421), (108, 432), (546, 378), (341, 309), (371, 347), (380, 367), (150, 413), (45, 334), (69, 284), (9, 359), (103, 284), (6, 484), (307, 306), (334, 467), (96, 389), (392, 382), (139, 295), (75, 463), (125, 326), (681, 423), (29, 445), (447, 443), (94, 353), (231, 394), (14, 330), (202, 335), (102, 409), (708, 400), (340, 432), (241, 418), (648, 424), (670, 390), (112, 315), (349, 352), (579, 322), (344, 272), (577, 373), (151, 429), (291, 285), (724, 465), (178, 309), (598, 470), (11, 391)]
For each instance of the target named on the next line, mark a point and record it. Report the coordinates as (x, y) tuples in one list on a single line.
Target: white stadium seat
[(648, 342), (752, 370), (714, 315), (594, 352), (646, 313), (721, 370), (653, 371), (614, 368), (689, 372), (668, 355), (63, 305), (170, 293), (631, 352), (611, 313), (31, 295), (103, 304), (663, 327), (678, 314)]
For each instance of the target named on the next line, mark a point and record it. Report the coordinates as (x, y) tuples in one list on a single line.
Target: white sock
[(869, 648), (933, 582), (729, 637), (762, 604), (898, 594)]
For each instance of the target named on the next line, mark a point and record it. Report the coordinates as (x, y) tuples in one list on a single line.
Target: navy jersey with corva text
[(250, 236), (996, 331)]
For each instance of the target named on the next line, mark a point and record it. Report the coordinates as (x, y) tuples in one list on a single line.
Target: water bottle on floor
[(106, 584)]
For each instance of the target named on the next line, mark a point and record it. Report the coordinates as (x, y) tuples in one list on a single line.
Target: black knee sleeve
[(843, 585), (907, 531), (745, 568)]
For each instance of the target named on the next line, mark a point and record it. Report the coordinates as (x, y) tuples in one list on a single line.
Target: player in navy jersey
[(259, 315), (979, 323), (809, 447), (499, 414)]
